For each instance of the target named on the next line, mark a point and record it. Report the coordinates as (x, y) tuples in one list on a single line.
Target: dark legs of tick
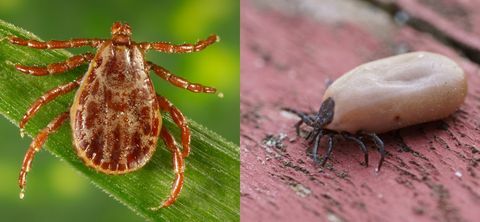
[(374, 137), (360, 143), (304, 118), (331, 143), (316, 143), (35, 146), (380, 147), (315, 137), (297, 127)]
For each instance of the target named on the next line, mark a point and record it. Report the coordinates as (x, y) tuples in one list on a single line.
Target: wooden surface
[(455, 21), (290, 51)]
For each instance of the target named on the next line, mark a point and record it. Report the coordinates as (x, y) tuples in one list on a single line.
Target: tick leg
[(329, 150), (55, 44), (179, 120), (179, 81), (183, 48), (177, 165), (304, 118), (46, 98), (297, 127), (307, 119), (60, 67), (35, 146), (318, 136), (361, 144), (311, 135), (381, 149)]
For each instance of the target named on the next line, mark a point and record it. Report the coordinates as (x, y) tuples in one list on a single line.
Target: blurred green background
[(57, 192)]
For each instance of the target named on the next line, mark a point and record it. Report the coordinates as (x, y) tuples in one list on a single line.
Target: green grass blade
[(212, 184)]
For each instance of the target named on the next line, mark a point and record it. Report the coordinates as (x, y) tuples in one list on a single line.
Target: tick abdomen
[(115, 117), (396, 92)]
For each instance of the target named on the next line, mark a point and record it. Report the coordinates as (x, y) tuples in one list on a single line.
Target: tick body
[(385, 95), (115, 117)]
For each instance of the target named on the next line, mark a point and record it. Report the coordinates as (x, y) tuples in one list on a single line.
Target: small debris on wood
[(275, 141), (418, 210), (333, 217), (301, 190), (458, 173), (342, 174)]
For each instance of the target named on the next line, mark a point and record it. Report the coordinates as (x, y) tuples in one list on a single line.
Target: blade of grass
[(212, 177)]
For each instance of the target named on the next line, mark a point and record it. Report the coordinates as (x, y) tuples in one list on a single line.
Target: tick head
[(325, 114), (121, 33), (121, 29)]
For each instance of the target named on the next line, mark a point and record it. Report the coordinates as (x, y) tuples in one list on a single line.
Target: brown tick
[(115, 116)]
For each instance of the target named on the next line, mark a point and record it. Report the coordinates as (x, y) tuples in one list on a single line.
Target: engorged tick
[(385, 95), (115, 116)]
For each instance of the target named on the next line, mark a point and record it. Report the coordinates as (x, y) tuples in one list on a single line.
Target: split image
[(250, 110)]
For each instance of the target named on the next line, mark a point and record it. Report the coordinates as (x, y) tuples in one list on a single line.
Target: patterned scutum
[(115, 117)]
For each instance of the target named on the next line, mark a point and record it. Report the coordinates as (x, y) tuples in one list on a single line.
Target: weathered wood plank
[(456, 22), (289, 53)]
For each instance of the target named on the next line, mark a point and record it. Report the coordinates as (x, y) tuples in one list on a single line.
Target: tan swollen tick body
[(385, 95), (115, 116)]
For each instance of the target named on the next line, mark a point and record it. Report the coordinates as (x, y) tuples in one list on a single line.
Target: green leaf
[(212, 177)]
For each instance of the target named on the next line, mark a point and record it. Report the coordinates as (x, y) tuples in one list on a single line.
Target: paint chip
[(458, 173)]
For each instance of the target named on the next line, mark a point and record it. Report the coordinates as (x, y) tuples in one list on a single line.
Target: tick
[(115, 116), (385, 95)]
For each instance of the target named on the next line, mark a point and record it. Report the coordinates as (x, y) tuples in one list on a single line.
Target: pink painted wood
[(457, 19), (289, 53)]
